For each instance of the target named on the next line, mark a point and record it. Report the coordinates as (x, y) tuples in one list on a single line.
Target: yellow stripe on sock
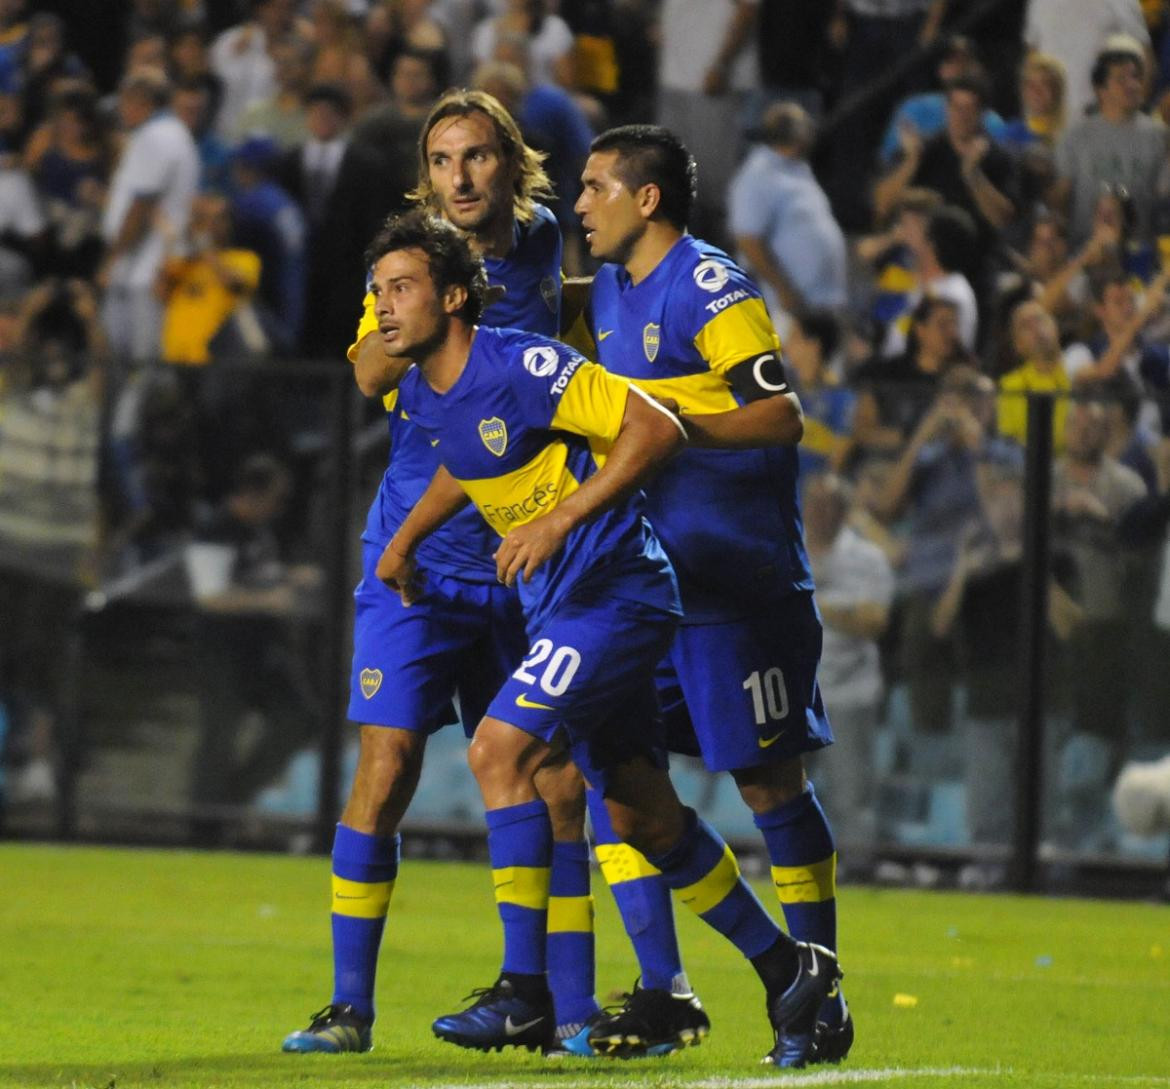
[(361, 899), (570, 913), (806, 884), (619, 862), (523, 885), (713, 887)]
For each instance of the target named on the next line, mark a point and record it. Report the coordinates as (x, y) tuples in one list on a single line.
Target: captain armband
[(759, 377)]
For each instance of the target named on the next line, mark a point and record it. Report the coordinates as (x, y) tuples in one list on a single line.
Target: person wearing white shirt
[(148, 206)]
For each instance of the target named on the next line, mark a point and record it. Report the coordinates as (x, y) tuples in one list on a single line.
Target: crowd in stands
[(948, 206)]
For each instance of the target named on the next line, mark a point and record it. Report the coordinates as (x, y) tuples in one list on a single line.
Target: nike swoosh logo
[(770, 741), (434, 442), (602, 334), (511, 1029), (815, 970), (522, 700)]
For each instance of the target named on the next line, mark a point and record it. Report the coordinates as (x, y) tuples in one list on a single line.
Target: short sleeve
[(749, 211), (367, 325), (593, 403)]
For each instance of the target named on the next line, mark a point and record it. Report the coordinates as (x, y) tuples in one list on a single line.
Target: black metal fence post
[(337, 587), (1033, 628)]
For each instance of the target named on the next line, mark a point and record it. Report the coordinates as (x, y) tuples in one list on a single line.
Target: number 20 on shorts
[(560, 667)]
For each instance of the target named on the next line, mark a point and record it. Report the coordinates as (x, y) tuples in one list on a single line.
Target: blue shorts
[(461, 637), (744, 693), (589, 672)]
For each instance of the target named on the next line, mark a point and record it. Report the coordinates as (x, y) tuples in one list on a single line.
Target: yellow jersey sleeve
[(367, 325), (738, 333), (593, 404)]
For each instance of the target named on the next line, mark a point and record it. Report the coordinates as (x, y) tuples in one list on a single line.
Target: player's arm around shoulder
[(375, 373), (645, 437)]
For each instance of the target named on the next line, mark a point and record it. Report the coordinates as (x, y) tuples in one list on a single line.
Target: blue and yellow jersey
[(530, 277), (697, 330), (528, 421)]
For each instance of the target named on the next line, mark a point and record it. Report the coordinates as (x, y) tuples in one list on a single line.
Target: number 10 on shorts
[(769, 695)]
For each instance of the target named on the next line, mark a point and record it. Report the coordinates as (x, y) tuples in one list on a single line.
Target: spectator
[(1074, 31), (876, 37), (893, 253), (1042, 103), (23, 227), (941, 257), (149, 204), (855, 589), (49, 513), (549, 37), (934, 483), (781, 219), (962, 163), (339, 57), (396, 25), (339, 185), (46, 62), (1118, 144), (809, 348), (270, 223), (69, 160), (392, 129), (192, 106), (894, 394), (251, 656), (206, 287), (281, 117), (241, 58), (926, 112), (1091, 496), (189, 63), (1041, 369), (706, 68), (1120, 355)]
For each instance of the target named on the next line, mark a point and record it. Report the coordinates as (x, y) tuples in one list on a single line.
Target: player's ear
[(649, 198), (454, 297)]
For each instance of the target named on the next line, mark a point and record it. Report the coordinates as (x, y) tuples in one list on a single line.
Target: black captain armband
[(759, 377)]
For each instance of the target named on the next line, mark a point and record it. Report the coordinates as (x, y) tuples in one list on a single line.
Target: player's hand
[(399, 570), (527, 547)]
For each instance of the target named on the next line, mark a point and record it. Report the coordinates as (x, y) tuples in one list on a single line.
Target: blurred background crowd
[(949, 206)]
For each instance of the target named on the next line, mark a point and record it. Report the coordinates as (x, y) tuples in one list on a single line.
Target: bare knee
[(562, 788), (643, 808), (389, 765), (764, 788), (504, 761)]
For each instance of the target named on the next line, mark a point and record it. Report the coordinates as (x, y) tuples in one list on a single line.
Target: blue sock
[(643, 900), (520, 847), (570, 935), (804, 867), (705, 876), (364, 870)]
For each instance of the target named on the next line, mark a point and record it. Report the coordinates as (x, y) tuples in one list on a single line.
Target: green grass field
[(123, 969)]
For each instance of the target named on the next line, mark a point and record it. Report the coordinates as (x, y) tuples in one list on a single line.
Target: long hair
[(532, 183)]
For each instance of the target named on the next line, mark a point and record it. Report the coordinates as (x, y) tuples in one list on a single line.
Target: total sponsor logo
[(543, 496), (570, 368), (724, 301)]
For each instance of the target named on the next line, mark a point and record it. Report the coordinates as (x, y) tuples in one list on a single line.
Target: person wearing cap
[(781, 219)]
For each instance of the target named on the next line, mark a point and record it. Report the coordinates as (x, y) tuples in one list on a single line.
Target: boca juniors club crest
[(548, 292), (651, 339), (494, 433), (370, 681)]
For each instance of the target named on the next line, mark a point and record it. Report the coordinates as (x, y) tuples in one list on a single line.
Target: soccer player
[(465, 636), (551, 450), (467, 633), (685, 323)]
